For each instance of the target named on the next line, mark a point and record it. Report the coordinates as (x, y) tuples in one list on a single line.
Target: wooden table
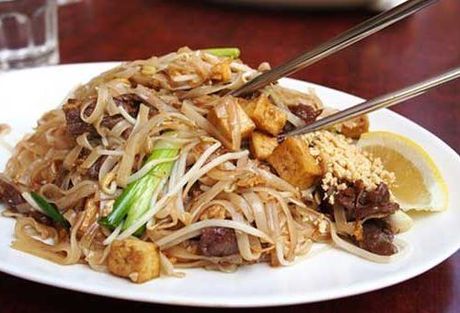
[(425, 44)]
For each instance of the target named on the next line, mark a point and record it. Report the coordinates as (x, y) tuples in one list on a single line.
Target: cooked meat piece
[(75, 125), (359, 203), (111, 121), (135, 259), (11, 196), (218, 241), (130, 102), (195, 190), (42, 219), (61, 175), (307, 113), (93, 171), (377, 237)]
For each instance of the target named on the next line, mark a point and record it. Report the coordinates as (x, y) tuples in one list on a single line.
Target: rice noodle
[(193, 230), (345, 245), (126, 115), (83, 154), (192, 175), (341, 223), (147, 168)]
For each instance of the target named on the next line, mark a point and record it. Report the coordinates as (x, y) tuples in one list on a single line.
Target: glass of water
[(28, 33)]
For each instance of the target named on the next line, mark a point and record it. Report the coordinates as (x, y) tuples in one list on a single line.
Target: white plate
[(25, 95)]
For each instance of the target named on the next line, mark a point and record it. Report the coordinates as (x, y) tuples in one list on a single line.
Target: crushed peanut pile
[(344, 162)]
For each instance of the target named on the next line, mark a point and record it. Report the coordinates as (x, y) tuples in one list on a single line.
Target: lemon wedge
[(419, 184)]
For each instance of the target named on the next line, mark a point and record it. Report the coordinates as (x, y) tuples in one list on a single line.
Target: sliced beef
[(377, 238), (130, 102), (359, 203), (61, 175), (11, 195), (305, 112), (75, 125), (218, 241), (93, 171), (195, 191), (110, 121)]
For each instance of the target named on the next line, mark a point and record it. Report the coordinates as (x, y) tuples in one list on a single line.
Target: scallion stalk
[(224, 52), (50, 210), (135, 200)]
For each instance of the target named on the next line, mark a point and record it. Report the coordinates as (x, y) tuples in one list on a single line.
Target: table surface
[(423, 45)]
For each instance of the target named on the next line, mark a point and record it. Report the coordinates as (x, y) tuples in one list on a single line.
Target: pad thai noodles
[(151, 167)]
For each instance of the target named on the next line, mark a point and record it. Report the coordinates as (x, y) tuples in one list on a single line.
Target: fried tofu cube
[(355, 128), (221, 72), (135, 259), (261, 145), (267, 116), (220, 117), (294, 163)]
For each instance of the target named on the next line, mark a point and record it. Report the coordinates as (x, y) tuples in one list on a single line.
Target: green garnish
[(135, 200), (224, 52), (50, 210)]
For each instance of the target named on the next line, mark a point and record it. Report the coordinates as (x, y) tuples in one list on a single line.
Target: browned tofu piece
[(267, 116), (355, 128), (293, 162), (135, 259), (219, 116), (261, 145), (221, 71)]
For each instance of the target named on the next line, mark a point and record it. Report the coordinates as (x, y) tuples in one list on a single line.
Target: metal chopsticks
[(337, 43), (384, 101)]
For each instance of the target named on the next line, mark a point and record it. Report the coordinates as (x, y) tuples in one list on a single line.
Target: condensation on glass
[(28, 33)]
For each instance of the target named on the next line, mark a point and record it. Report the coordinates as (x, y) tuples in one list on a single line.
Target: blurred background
[(411, 50), (38, 32)]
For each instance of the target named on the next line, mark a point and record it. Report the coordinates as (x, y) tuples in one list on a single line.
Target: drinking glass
[(28, 33)]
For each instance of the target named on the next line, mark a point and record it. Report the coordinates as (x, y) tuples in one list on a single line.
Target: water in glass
[(28, 33)]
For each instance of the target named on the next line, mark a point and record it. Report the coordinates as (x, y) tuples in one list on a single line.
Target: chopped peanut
[(214, 212), (250, 180), (293, 162), (344, 162)]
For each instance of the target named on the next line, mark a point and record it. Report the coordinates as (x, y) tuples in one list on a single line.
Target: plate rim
[(252, 301)]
